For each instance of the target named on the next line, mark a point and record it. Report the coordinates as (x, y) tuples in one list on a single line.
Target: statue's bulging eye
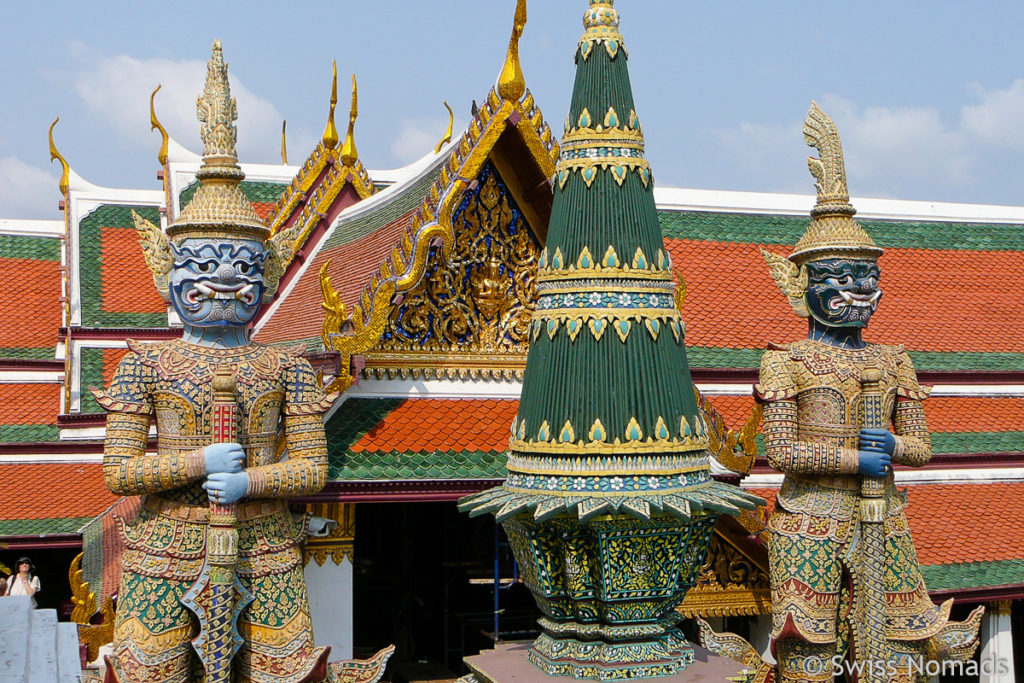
[(206, 266), (845, 280), (243, 267)]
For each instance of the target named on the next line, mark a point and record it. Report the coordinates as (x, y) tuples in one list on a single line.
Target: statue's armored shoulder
[(776, 379), (303, 388), (906, 376), (131, 385)]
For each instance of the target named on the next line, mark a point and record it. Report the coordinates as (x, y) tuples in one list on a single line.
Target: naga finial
[(65, 173), (330, 138), (349, 155), (154, 124), (511, 82), (217, 112), (448, 134), (829, 170), (284, 142)]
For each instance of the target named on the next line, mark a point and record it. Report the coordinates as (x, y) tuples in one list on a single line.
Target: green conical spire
[(608, 420)]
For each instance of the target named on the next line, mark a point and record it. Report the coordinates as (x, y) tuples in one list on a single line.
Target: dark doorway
[(424, 580)]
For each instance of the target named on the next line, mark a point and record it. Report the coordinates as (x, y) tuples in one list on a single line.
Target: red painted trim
[(42, 542), (80, 420), (398, 491), (46, 448), (121, 333), (33, 364)]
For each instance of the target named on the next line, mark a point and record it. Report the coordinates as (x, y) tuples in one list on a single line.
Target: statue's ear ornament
[(790, 278), (281, 249), (157, 249)]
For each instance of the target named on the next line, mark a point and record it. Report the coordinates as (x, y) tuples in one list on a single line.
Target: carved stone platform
[(508, 663)]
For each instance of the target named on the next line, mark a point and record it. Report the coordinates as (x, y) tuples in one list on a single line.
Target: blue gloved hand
[(878, 440), (224, 457), (226, 488), (874, 463)]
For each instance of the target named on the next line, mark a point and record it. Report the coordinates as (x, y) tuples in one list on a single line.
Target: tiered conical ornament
[(609, 502)]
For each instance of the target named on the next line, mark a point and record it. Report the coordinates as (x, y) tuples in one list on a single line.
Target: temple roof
[(75, 494), (32, 281), (969, 321)]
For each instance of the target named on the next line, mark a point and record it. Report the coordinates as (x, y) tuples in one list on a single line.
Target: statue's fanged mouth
[(210, 290), (848, 299)]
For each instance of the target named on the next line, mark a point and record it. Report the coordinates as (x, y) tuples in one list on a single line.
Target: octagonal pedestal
[(608, 589)]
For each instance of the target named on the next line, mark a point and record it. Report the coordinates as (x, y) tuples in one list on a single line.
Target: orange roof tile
[(732, 302), (955, 523), (29, 296), (71, 490), (353, 265), (111, 357), (126, 280), (443, 425), (263, 209), (29, 404)]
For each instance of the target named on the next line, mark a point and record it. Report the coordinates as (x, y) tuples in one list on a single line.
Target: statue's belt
[(201, 513)]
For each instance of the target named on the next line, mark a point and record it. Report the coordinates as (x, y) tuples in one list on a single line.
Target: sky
[(928, 97)]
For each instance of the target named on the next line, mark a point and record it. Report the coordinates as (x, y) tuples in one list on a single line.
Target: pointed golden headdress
[(219, 208), (833, 233)]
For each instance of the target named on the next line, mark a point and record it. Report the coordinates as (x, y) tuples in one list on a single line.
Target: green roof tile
[(25, 247), (257, 192), (786, 230), (36, 527), (973, 574), (91, 265), (28, 433)]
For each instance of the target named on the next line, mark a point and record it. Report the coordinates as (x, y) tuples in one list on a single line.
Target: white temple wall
[(330, 602)]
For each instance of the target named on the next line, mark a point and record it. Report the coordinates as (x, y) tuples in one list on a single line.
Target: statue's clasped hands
[(875, 452), (226, 478)]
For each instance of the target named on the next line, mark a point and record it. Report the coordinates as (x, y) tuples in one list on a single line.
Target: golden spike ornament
[(217, 110), (65, 172), (154, 124), (330, 137), (448, 133), (349, 155), (219, 208), (511, 82), (284, 143)]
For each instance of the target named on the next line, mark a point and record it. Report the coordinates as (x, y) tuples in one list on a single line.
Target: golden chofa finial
[(330, 138), (154, 124), (448, 134), (348, 150), (217, 112), (511, 83), (284, 143), (65, 173)]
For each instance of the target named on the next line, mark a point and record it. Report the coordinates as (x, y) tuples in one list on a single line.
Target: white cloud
[(27, 191), (997, 118), (418, 137), (889, 151), (118, 88)]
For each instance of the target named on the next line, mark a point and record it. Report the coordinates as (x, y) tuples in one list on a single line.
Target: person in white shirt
[(24, 581)]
